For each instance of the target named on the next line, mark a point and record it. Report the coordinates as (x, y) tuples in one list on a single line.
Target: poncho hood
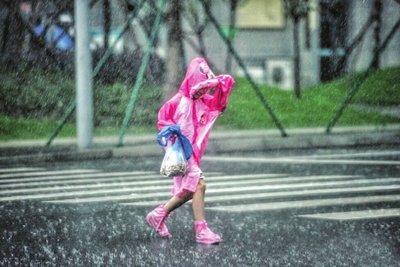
[(196, 73)]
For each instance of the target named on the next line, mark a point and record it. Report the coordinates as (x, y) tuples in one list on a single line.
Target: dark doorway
[(333, 32)]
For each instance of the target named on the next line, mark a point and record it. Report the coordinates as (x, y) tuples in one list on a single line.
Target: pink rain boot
[(156, 219), (204, 235)]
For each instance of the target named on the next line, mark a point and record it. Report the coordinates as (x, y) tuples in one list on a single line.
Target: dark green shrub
[(34, 94)]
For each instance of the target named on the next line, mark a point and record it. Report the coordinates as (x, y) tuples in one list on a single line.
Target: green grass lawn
[(317, 105), (12, 129), (245, 111)]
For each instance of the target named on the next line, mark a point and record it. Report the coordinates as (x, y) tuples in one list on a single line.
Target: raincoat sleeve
[(219, 99), (166, 115), (207, 84)]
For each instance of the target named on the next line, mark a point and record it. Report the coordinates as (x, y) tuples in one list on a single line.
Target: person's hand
[(210, 74), (200, 89), (199, 93)]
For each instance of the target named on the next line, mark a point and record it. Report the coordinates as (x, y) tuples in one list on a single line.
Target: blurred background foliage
[(36, 94), (37, 80), (25, 115)]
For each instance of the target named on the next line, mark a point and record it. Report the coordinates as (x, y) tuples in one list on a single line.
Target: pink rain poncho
[(195, 116)]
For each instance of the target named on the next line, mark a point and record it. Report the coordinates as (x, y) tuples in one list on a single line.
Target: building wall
[(359, 13), (391, 13), (260, 47), (310, 57), (256, 46)]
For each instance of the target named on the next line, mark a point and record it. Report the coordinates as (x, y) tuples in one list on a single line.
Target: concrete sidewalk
[(63, 149)]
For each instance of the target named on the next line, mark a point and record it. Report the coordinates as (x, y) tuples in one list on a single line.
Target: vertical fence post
[(83, 75), (99, 65)]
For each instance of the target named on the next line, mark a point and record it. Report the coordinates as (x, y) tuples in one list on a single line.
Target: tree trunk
[(12, 46), (130, 41), (5, 34), (342, 64), (174, 64), (232, 23), (377, 17), (296, 45), (106, 22)]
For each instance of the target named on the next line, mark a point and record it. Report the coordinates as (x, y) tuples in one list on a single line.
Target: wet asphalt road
[(286, 208)]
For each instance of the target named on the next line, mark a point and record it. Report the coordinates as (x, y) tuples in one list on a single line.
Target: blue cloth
[(170, 131), (56, 35)]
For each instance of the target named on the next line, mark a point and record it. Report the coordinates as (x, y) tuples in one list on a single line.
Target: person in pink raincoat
[(201, 98)]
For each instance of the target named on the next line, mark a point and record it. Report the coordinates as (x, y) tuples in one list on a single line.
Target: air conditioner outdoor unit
[(257, 73), (279, 73)]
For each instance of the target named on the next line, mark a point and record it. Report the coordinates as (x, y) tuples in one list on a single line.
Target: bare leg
[(198, 201), (176, 202), (204, 235)]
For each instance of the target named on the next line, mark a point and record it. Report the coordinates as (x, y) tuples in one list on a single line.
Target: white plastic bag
[(174, 162)]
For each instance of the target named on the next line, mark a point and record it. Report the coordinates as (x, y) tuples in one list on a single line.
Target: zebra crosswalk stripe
[(113, 177), (251, 180), (115, 188), (299, 160), (273, 195), (31, 174), (49, 177), (215, 187), (21, 169), (314, 203), (366, 154), (144, 188), (114, 183), (354, 215)]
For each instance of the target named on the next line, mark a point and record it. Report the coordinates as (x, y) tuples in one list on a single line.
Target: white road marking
[(87, 180), (79, 176), (150, 189), (166, 193), (112, 185), (300, 160), (68, 194), (313, 192), (298, 204), (109, 198), (211, 197), (132, 186), (20, 169), (352, 155), (211, 190), (261, 185), (354, 215), (153, 179), (270, 178), (273, 195), (306, 185), (30, 174)]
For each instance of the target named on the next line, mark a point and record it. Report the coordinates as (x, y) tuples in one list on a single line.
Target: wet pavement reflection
[(106, 233)]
